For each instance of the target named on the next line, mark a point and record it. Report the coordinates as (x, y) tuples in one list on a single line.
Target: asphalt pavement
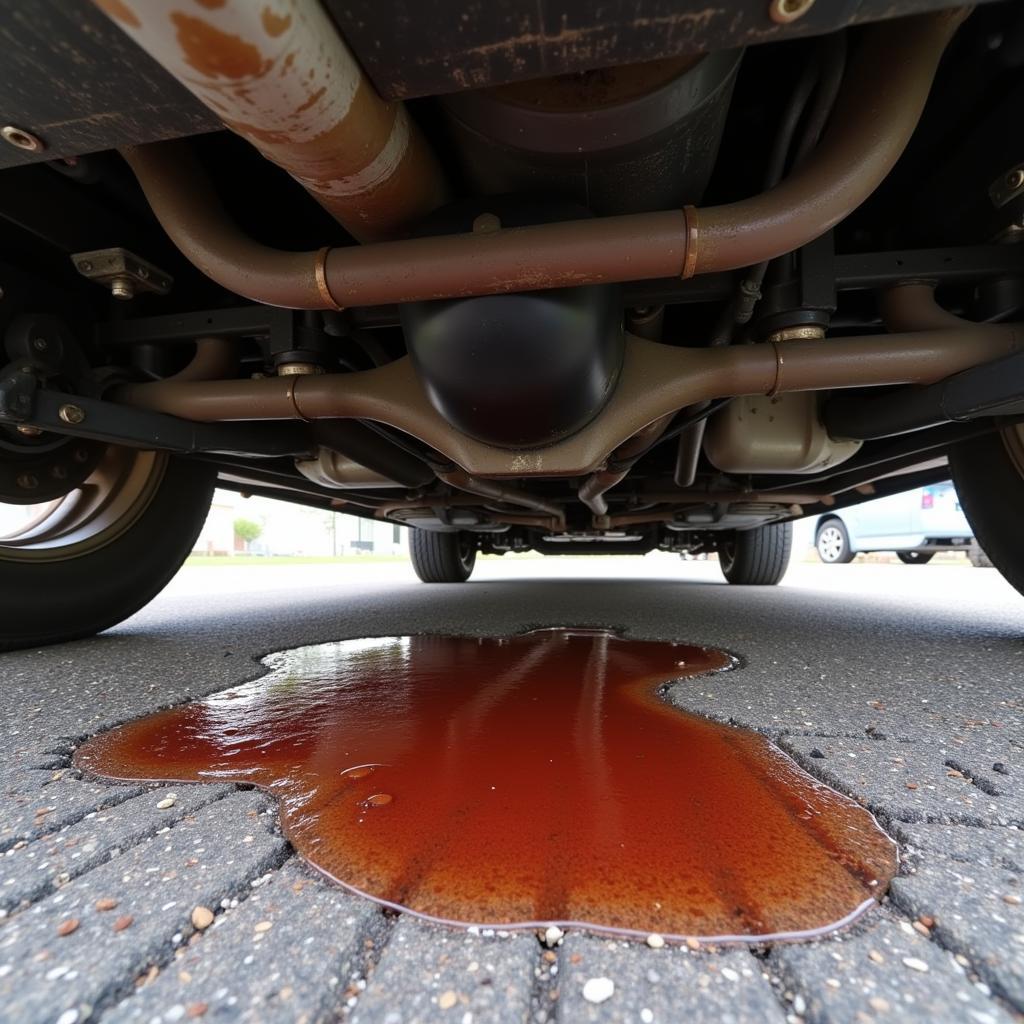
[(902, 686)]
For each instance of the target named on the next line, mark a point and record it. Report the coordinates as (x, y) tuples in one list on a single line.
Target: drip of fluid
[(516, 782)]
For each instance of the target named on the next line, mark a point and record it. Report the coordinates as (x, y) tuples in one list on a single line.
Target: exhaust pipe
[(278, 74), (880, 103)]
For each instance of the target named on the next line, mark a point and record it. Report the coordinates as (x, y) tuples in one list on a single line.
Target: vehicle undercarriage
[(668, 280)]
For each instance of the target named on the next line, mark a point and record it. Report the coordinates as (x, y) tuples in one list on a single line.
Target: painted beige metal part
[(655, 381), (278, 73)]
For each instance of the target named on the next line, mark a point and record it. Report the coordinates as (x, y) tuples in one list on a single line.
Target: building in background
[(289, 529)]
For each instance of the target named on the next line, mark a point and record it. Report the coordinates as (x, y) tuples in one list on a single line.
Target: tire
[(832, 543), (757, 557), (988, 473), (76, 588), (442, 557), (915, 557)]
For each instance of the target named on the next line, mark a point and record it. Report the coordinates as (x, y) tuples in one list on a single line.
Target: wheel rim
[(831, 544), (467, 553), (91, 515), (727, 554)]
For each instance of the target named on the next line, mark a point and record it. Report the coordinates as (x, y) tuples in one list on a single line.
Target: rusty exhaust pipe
[(880, 103), (278, 74)]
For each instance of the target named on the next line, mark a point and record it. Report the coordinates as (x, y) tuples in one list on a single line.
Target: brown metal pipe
[(592, 490), (656, 380), (912, 307), (879, 106), (512, 495), (278, 74), (215, 359)]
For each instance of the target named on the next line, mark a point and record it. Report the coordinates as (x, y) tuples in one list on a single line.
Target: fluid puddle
[(526, 780)]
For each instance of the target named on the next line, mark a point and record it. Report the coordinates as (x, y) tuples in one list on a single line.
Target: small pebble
[(446, 1000), (915, 965), (105, 903), (68, 1017), (799, 1005), (911, 785), (875, 957), (68, 926), (692, 943), (729, 974), (597, 990), (655, 941), (832, 982), (1012, 898), (553, 935), (878, 1004), (263, 926), (124, 921), (167, 802), (196, 1009), (202, 918), (646, 1015)]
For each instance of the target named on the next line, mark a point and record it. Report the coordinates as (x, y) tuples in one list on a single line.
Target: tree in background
[(247, 531)]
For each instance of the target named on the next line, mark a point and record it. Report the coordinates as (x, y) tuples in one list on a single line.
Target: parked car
[(915, 524)]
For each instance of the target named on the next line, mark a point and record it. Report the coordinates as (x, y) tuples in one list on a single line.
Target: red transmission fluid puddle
[(521, 781)]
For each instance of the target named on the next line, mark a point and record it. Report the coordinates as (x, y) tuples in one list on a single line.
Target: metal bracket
[(17, 392), (122, 272), (95, 419)]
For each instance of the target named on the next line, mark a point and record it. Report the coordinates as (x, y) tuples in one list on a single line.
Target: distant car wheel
[(833, 543), (83, 561), (757, 557), (915, 557), (989, 476), (442, 557)]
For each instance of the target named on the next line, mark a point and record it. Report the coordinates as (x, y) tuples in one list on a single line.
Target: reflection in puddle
[(533, 779)]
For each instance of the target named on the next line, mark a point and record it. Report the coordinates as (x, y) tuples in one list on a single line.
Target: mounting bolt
[(22, 139), (122, 288), (71, 414), (782, 12), (27, 482), (1015, 178), (26, 431), (40, 344)]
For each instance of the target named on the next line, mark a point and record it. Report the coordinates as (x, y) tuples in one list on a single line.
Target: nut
[(71, 414), (22, 139), (782, 12), (1015, 179)]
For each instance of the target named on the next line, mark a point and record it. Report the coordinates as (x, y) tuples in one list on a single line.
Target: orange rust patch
[(211, 5), (312, 99), (119, 11), (215, 53), (275, 24)]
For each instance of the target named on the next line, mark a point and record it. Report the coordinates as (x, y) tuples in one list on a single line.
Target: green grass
[(233, 560)]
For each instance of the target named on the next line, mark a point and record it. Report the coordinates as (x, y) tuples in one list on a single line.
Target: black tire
[(988, 473), (915, 557), (442, 557), (832, 542), (48, 601), (757, 557)]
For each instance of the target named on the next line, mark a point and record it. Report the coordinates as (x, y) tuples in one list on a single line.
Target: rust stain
[(312, 99), (275, 24), (215, 53), (211, 5), (119, 11)]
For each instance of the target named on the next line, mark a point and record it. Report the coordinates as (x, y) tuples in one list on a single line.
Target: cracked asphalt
[(901, 686)]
